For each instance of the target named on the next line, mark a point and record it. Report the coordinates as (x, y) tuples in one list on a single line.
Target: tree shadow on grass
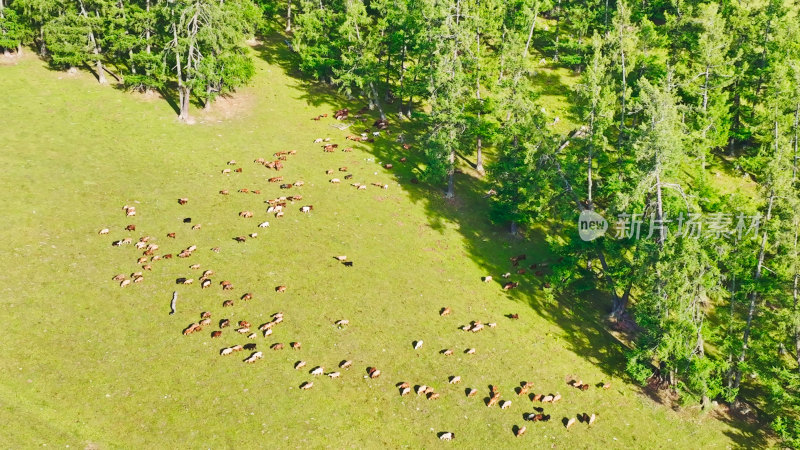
[(579, 316)]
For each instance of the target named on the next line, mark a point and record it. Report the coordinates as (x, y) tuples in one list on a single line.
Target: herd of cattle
[(278, 206)]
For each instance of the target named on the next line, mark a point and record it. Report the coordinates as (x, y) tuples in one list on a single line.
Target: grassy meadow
[(89, 364)]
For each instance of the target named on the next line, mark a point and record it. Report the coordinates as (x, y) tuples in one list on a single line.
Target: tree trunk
[(479, 150), (753, 297), (183, 94), (558, 26), (101, 76), (289, 16), (795, 128), (795, 299), (450, 174), (208, 101), (530, 33), (377, 101)]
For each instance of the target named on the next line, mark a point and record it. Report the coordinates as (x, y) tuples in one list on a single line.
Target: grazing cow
[(183, 201), (345, 364), (124, 283), (279, 214), (472, 392), (299, 365), (298, 183), (447, 436), (226, 351), (455, 379), (417, 345), (244, 323), (253, 235), (224, 323), (493, 400), (525, 388), (268, 332), (373, 372), (329, 148), (216, 334), (147, 267), (520, 431), (569, 423), (141, 260), (263, 225), (537, 398), (226, 285), (192, 328), (447, 352), (206, 283), (341, 258), (556, 398), (275, 179), (348, 263), (246, 214), (104, 231), (342, 322), (118, 277), (514, 316), (510, 285), (347, 149), (445, 311), (244, 190), (422, 389), (226, 171), (306, 385), (224, 192), (405, 390), (470, 351), (296, 345), (319, 370), (130, 227), (547, 399), (306, 209), (243, 330), (254, 357), (227, 303), (259, 161), (276, 346), (505, 404), (433, 396), (333, 374), (280, 288), (197, 227), (591, 419)]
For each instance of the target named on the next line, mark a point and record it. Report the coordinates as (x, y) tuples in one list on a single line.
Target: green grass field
[(89, 364)]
